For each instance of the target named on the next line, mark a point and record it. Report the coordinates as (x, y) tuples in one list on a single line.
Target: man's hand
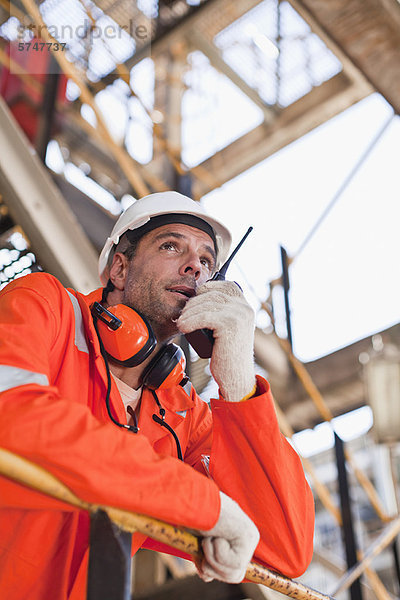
[(229, 546), (221, 307)]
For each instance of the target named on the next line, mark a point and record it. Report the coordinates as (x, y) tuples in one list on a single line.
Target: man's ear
[(119, 270)]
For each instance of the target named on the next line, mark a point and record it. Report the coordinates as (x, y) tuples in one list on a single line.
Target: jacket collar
[(175, 402), (85, 302)]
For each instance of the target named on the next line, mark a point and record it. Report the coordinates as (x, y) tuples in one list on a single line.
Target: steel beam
[(310, 111), (38, 207)]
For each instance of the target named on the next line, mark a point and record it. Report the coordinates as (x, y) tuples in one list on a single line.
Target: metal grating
[(275, 52), (16, 256)]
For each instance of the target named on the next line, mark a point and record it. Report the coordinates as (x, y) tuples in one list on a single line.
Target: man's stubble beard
[(160, 315)]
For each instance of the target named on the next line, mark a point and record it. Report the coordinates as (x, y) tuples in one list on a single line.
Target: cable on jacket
[(133, 428), (161, 421)]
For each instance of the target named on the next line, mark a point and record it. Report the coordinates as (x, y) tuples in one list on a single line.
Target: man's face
[(169, 264)]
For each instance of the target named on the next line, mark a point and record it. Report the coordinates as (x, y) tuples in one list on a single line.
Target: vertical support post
[(347, 517), (286, 286), (396, 495), (396, 561), (183, 184), (48, 108), (168, 93), (109, 572)]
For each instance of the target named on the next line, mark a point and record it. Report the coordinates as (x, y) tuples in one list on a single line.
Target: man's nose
[(192, 266)]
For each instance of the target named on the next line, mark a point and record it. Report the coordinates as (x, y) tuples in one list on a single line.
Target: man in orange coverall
[(115, 440)]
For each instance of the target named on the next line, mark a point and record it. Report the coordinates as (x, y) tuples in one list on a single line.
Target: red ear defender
[(126, 335), (166, 369)]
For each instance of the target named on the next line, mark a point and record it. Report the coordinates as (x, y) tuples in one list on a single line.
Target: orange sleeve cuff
[(251, 394)]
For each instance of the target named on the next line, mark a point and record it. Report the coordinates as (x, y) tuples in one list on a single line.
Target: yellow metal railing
[(27, 473)]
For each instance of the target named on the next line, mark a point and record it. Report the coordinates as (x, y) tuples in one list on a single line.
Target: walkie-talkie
[(202, 340)]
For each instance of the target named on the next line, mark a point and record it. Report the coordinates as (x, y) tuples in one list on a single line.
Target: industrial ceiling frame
[(35, 203)]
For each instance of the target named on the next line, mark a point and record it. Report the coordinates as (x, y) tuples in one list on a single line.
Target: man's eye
[(168, 246), (207, 263)]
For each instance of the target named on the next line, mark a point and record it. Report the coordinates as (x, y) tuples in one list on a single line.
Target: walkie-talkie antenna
[(222, 271)]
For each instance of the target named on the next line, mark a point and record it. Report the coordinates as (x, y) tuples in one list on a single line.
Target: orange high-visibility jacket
[(52, 412)]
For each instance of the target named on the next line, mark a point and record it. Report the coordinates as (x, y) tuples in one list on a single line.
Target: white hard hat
[(163, 203)]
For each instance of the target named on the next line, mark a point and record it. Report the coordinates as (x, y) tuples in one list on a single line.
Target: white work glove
[(229, 546), (222, 307)]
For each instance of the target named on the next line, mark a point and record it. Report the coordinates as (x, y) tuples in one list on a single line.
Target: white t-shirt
[(130, 397)]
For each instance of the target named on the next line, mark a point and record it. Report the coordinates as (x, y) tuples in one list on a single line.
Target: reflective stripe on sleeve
[(80, 339), (11, 377)]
